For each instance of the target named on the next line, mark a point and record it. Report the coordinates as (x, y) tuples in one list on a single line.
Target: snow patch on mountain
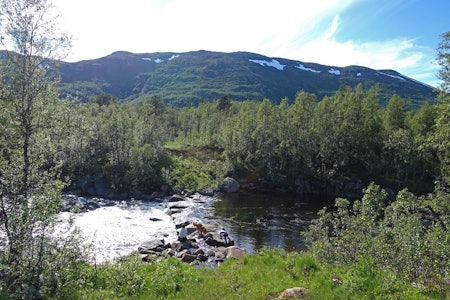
[(157, 61), (274, 63), (174, 56), (393, 76), (334, 71), (302, 67)]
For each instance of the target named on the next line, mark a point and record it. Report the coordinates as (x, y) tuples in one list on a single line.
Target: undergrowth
[(256, 276)]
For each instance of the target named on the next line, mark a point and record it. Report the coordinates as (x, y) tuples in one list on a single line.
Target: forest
[(400, 156), (343, 138)]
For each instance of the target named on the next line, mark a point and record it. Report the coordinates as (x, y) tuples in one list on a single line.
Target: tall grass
[(255, 276)]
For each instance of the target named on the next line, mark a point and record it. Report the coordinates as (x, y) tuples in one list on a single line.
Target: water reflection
[(253, 220), (257, 220)]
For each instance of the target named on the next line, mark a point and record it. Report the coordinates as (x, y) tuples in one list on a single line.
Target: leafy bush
[(408, 236)]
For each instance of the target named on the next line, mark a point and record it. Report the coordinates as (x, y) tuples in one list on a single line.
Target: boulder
[(176, 198), (202, 257), (91, 205), (229, 185), (213, 239), (93, 185), (291, 293), (182, 252), (207, 192), (219, 256), (199, 251), (235, 252), (188, 258), (151, 246)]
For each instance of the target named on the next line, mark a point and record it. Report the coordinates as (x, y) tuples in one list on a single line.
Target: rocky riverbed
[(118, 228), (198, 248)]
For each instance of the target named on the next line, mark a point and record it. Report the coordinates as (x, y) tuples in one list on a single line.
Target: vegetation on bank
[(377, 247), (256, 276), (371, 249), (347, 137)]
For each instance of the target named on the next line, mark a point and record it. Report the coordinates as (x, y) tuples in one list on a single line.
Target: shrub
[(407, 236)]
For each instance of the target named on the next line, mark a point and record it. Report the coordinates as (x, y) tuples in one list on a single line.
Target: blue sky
[(381, 34)]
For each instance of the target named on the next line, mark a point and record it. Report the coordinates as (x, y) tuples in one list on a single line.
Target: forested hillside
[(182, 79), (332, 146)]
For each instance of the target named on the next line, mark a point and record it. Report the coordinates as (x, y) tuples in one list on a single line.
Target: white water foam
[(118, 230)]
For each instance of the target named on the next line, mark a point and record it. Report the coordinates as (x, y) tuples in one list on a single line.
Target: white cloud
[(264, 26), (298, 30), (401, 54)]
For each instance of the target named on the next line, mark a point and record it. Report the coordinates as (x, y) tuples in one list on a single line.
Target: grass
[(194, 168), (255, 276)]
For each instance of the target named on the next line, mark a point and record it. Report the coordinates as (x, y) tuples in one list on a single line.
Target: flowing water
[(252, 220), (257, 220)]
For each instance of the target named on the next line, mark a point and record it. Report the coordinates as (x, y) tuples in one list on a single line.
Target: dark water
[(257, 220), (253, 220)]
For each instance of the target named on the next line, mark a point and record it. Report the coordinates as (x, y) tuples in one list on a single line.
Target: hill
[(191, 77)]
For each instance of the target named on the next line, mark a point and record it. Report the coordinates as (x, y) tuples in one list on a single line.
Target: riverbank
[(268, 274)]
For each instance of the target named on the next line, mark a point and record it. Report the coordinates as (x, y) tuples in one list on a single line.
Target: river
[(253, 220)]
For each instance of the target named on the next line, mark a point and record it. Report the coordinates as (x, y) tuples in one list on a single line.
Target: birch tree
[(29, 184)]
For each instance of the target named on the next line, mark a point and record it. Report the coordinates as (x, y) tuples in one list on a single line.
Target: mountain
[(192, 77)]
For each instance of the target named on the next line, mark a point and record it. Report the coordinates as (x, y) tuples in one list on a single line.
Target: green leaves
[(406, 236)]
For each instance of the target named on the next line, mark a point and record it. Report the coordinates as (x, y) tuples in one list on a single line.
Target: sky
[(402, 35)]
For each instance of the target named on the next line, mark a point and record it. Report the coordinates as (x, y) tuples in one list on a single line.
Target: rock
[(150, 246), (202, 257), (182, 252), (91, 205), (187, 193), (235, 252), (292, 293), (219, 256), (147, 258), (179, 225), (209, 240), (154, 219), (176, 198), (199, 251), (176, 246), (177, 207), (229, 185), (213, 239), (104, 202), (93, 185), (188, 258), (207, 192)]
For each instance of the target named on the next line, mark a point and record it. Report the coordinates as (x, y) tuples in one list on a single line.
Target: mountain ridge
[(183, 78)]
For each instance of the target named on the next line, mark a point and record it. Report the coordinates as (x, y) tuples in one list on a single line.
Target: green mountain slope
[(189, 78)]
